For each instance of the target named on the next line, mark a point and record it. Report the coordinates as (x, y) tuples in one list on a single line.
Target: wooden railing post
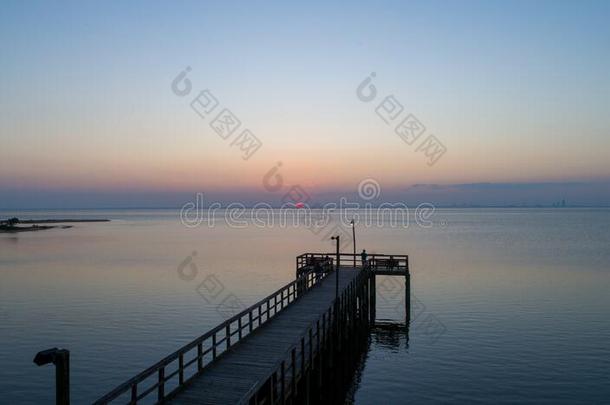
[(293, 385), (260, 312), (214, 346), (310, 348), (268, 311), (282, 383), (134, 394), (302, 356), (273, 386), (199, 356), (161, 387), (322, 350), (181, 369)]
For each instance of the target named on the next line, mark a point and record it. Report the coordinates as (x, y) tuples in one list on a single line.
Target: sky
[(517, 94)]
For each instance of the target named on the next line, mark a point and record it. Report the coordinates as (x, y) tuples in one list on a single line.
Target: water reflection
[(387, 337), (390, 335)]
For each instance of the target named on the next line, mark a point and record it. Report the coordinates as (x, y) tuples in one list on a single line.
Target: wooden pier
[(281, 349)]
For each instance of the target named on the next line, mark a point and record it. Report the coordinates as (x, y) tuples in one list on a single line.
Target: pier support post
[(367, 299), (373, 297), (408, 297)]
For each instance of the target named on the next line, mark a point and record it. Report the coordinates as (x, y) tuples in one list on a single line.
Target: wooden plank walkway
[(232, 377)]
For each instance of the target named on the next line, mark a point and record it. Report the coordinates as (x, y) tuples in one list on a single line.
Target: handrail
[(357, 255), (257, 315), (306, 263), (399, 263)]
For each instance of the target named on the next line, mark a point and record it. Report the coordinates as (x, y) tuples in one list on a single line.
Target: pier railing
[(378, 263), (167, 376), (313, 262)]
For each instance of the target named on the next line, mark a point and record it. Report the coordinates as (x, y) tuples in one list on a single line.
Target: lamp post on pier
[(337, 267), (354, 239)]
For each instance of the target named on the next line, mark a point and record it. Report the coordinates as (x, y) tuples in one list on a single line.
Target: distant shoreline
[(57, 221), (7, 228)]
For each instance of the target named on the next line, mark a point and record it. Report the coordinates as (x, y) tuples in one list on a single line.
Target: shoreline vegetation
[(10, 225)]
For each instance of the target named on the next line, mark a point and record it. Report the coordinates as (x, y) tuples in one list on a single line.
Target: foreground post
[(61, 359)]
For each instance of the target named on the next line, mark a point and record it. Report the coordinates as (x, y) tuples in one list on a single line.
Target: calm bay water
[(512, 304)]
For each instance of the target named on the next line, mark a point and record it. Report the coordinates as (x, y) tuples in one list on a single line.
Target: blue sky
[(517, 92)]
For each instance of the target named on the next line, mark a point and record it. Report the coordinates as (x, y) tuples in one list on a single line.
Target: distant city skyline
[(517, 93)]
